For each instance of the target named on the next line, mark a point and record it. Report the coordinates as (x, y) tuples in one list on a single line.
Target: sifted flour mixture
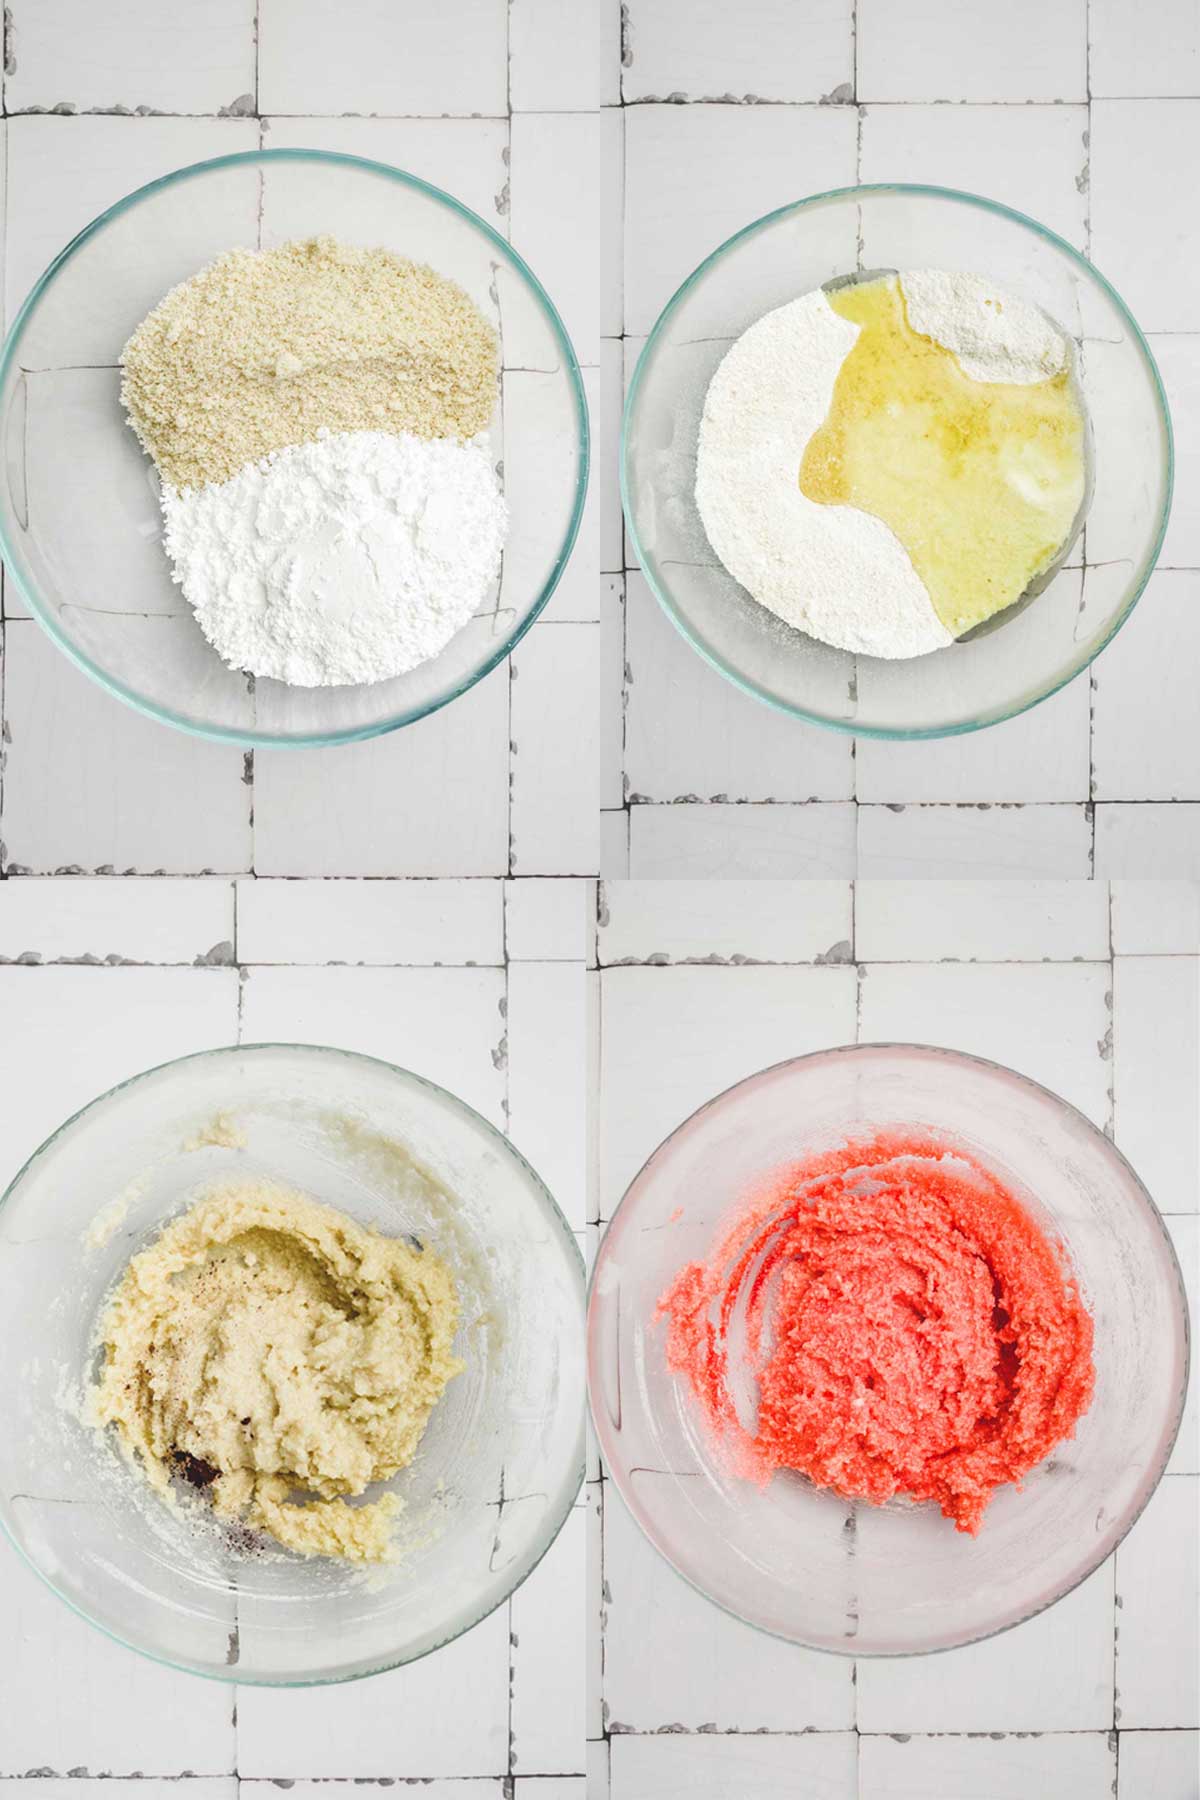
[(889, 463), (349, 559)]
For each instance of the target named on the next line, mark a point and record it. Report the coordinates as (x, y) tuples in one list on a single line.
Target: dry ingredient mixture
[(281, 1358), (907, 1326), (316, 413), (887, 464)]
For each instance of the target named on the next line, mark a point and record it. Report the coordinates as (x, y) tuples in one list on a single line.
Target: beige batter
[(268, 1349)]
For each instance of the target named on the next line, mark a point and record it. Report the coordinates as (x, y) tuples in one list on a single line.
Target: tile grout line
[(1087, 239), (509, 1760)]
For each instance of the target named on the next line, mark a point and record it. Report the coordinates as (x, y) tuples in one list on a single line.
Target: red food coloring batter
[(909, 1326)]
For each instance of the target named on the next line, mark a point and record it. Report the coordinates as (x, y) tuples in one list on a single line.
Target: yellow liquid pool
[(981, 481)]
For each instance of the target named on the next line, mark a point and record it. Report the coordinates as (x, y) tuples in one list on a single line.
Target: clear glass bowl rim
[(661, 594), (304, 740), (1148, 1206), (557, 1514)]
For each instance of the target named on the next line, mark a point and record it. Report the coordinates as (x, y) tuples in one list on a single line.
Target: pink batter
[(910, 1328)]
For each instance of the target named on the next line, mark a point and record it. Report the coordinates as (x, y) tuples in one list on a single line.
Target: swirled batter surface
[(282, 1358), (909, 1328)]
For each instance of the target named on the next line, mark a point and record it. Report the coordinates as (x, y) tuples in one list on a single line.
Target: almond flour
[(263, 349)]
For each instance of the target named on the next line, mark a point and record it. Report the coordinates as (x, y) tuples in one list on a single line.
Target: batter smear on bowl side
[(280, 1357), (907, 1325)]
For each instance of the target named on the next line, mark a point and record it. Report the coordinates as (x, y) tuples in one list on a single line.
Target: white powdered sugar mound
[(353, 558), (839, 574)]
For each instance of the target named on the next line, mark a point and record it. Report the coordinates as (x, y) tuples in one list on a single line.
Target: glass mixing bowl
[(364, 1137), (80, 528), (804, 1563), (1019, 657)]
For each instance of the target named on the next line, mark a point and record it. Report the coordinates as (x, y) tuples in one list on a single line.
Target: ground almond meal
[(263, 349)]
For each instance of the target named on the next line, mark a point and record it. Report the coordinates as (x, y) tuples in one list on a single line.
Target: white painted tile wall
[(1091, 988), (1083, 114)]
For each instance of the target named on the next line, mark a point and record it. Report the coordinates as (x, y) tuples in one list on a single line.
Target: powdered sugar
[(352, 558)]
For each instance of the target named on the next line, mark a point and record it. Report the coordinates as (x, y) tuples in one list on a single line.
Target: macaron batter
[(907, 1325)]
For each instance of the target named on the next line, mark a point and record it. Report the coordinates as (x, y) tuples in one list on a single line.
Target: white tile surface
[(776, 52), (1156, 1075), (556, 193), (1148, 842), (433, 56), (611, 689), (945, 843), (72, 1699), (466, 157), (144, 799), (696, 173), (548, 1647), (1000, 1010), (1054, 1673), (554, 740), (1147, 246), (606, 433), (76, 1787), (1128, 59), (73, 1033), (133, 55), (1163, 1764), (544, 920), (1029, 157), (727, 921), (414, 922), (716, 841), (969, 921), (1040, 756), (820, 1767), (1178, 360), (738, 161), (614, 177), (556, 55), (62, 172), (116, 921), (1155, 918), (696, 1031), (614, 844), (744, 752), (1145, 744), (411, 1719), (442, 1023), (1074, 1767), (1158, 1665), (731, 1677), (340, 812), (435, 1788), (547, 1059), (950, 52)]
